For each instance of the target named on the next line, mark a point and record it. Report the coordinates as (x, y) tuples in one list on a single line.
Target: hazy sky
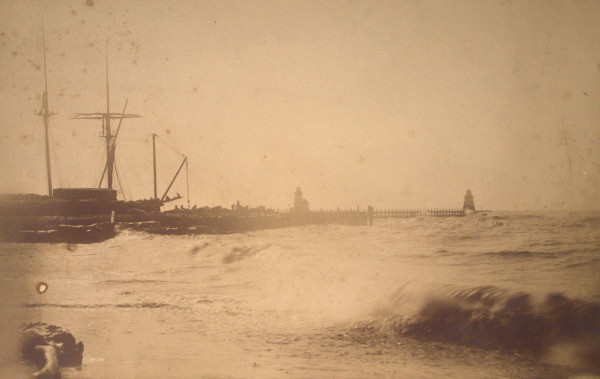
[(388, 103)]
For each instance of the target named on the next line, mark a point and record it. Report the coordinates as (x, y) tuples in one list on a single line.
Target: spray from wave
[(492, 318)]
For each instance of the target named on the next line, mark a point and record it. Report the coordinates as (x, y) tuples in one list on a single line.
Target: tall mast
[(110, 152), (110, 139), (164, 196), (187, 181), (45, 113), (154, 162)]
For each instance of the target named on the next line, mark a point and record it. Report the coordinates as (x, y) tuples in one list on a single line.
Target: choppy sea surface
[(507, 294)]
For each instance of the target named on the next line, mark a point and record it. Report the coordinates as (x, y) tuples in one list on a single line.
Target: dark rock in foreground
[(69, 352)]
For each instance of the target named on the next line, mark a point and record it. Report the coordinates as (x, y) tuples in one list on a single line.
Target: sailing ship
[(77, 215)]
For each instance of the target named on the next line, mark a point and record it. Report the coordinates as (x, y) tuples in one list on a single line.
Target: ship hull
[(61, 234)]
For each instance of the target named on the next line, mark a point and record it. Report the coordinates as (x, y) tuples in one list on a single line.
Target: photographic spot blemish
[(41, 287)]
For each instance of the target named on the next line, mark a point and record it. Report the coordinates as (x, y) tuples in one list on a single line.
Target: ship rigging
[(111, 144), (110, 139), (46, 114)]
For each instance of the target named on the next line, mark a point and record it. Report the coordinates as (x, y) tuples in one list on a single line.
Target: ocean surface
[(507, 294)]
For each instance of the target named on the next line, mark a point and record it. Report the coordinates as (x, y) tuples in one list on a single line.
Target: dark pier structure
[(240, 219), (468, 207), (219, 220), (82, 215), (187, 222), (407, 213), (445, 212), (396, 213), (404, 213)]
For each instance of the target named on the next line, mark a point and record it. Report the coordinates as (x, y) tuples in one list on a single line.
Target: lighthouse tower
[(300, 203), (469, 205)]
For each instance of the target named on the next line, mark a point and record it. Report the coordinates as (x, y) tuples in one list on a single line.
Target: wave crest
[(492, 318), (239, 253)]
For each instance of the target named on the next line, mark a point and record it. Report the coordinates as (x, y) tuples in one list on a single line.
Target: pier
[(83, 214), (445, 212), (406, 213), (396, 213)]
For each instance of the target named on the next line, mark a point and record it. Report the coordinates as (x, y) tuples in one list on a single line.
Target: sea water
[(506, 294)]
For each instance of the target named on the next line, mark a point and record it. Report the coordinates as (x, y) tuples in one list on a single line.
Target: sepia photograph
[(300, 189)]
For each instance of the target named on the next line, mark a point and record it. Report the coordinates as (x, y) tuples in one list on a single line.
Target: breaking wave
[(240, 253), (492, 318)]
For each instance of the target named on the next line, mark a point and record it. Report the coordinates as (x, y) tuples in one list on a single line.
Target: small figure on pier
[(300, 203), (469, 205)]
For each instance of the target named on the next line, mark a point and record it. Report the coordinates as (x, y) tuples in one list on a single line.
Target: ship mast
[(45, 113), (154, 162), (109, 137), (164, 198), (110, 152)]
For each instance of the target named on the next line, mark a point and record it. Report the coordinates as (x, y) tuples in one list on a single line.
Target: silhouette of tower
[(300, 203), (469, 204)]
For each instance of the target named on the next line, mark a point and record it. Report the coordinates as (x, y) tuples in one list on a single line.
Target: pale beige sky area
[(388, 103)]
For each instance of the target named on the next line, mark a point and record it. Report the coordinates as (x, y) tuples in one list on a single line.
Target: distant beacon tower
[(469, 205), (300, 204)]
